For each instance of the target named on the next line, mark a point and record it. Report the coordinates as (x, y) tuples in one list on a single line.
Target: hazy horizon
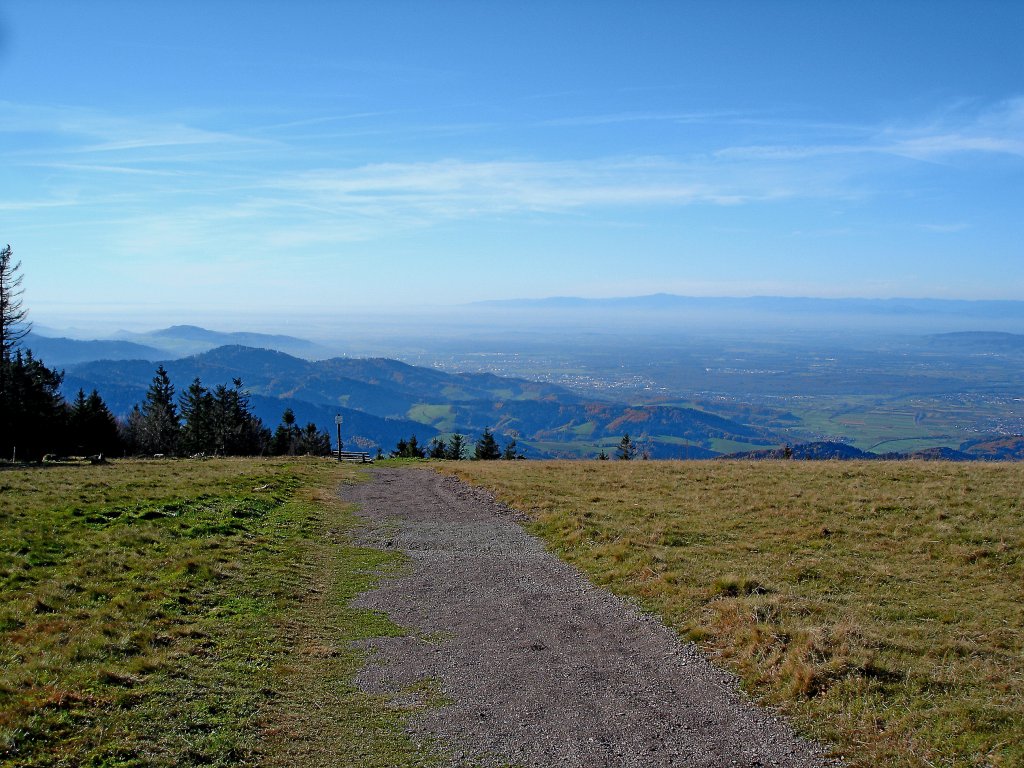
[(561, 317)]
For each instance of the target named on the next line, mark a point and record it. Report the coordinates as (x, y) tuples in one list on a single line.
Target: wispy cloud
[(642, 117), (103, 132), (997, 130), (448, 189), (116, 169), (944, 229), (171, 181)]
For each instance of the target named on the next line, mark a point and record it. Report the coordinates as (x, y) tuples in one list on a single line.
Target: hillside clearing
[(880, 605)]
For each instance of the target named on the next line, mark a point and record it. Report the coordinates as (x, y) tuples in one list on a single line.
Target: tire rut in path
[(539, 667)]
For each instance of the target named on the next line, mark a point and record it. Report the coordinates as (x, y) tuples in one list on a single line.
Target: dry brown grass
[(880, 605)]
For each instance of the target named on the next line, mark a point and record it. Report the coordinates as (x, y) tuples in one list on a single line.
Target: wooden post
[(337, 420)]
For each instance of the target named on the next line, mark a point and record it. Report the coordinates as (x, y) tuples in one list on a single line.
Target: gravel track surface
[(537, 666)]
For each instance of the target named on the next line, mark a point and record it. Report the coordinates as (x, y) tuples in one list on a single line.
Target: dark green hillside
[(391, 397), (429, 384)]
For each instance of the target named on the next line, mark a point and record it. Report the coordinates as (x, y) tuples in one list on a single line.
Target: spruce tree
[(32, 411), (160, 427), (286, 437), (511, 452), (437, 449), (14, 325), (92, 427), (314, 442), (456, 447), (486, 447), (408, 449), (196, 405), (627, 449)]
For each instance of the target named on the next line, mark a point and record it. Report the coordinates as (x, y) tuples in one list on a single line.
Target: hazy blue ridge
[(60, 352), (184, 340)]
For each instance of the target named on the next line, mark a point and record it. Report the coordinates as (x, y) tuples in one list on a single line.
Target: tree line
[(36, 420), (455, 448)]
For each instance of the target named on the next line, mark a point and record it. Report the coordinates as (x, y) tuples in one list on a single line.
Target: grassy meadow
[(176, 613), (879, 605)]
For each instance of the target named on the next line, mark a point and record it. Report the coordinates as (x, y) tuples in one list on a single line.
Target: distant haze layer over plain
[(534, 320)]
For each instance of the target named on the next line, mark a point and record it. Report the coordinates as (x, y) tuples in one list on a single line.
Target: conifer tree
[(314, 442), (627, 449), (92, 427), (486, 448), (160, 429), (14, 325), (456, 447), (511, 452), (32, 411), (286, 436), (437, 449), (197, 405), (409, 449)]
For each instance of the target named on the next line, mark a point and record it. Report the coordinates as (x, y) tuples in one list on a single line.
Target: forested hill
[(548, 420)]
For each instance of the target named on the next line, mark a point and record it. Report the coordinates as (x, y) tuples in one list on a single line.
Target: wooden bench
[(356, 456)]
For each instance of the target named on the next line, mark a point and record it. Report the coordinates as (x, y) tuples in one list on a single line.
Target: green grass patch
[(440, 416), (879, 605), (159, 613)]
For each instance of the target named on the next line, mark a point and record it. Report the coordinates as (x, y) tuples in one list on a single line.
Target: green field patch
[(868, 421), (585, 430), (442, 417)]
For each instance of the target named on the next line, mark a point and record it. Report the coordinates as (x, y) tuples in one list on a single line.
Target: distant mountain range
[(195, 339), (382, 400), (166, 343), (774, 304), (59, 352)]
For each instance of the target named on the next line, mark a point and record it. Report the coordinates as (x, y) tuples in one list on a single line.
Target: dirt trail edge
[(536, 666)]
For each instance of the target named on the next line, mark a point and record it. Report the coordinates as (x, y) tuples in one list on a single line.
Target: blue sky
[(168, 158)]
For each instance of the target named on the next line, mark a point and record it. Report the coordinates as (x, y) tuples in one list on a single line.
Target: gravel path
[(539, 667)]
